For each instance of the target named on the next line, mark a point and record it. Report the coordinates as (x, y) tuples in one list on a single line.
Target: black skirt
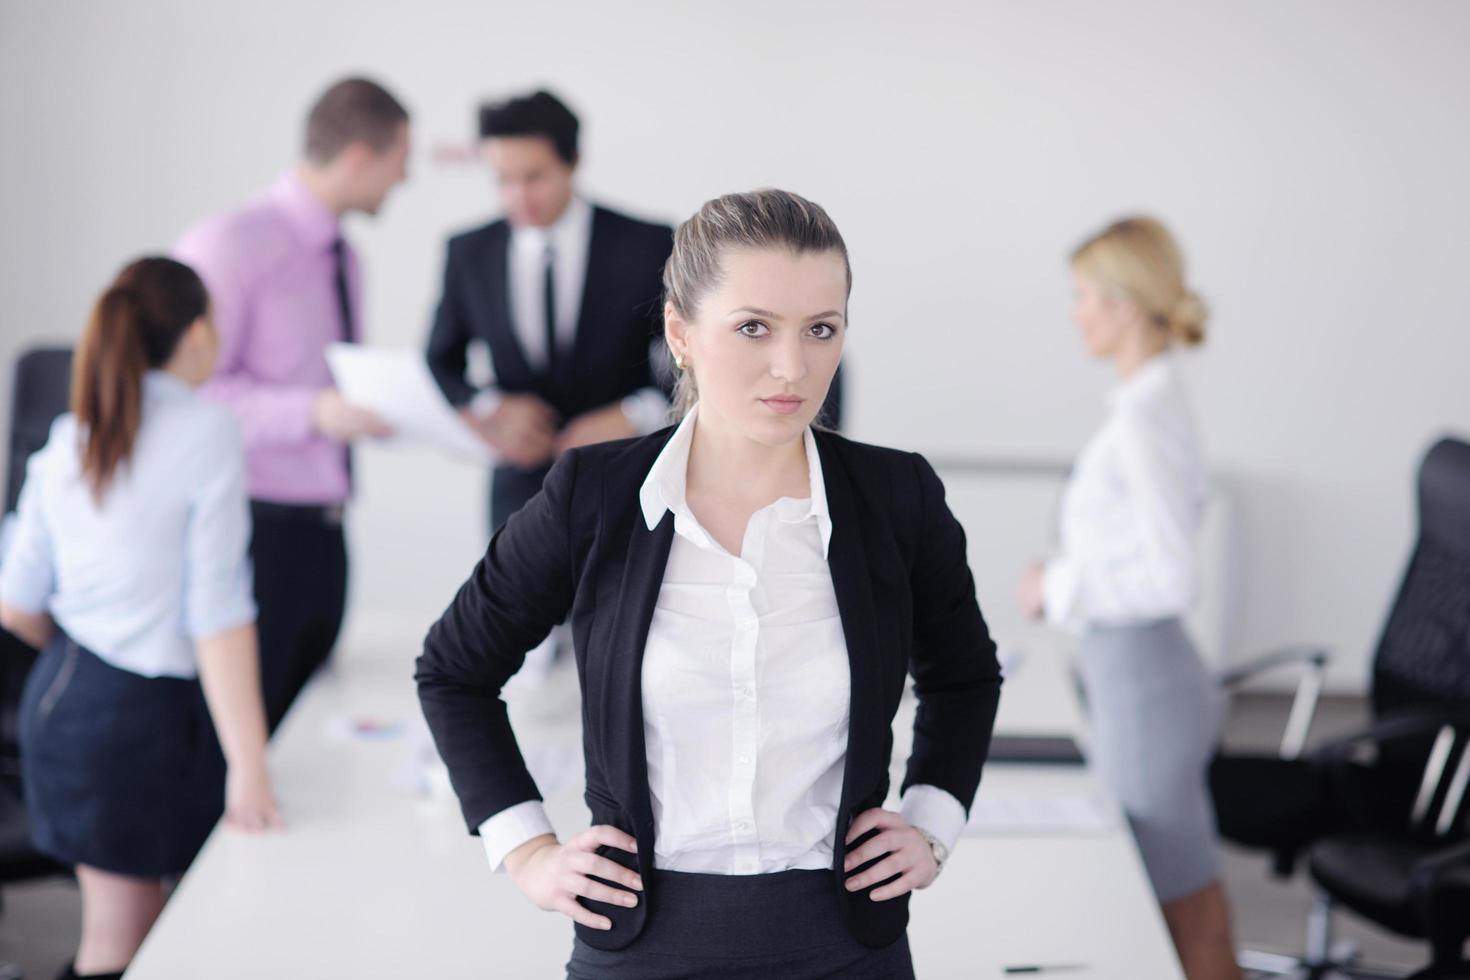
[(786, 925), (121, 772)]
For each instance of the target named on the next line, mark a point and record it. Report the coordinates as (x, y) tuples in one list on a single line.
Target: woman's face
[(1104, 320), (765, 343)]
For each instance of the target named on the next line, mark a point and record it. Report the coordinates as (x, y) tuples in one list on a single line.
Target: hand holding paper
[(396, 386)]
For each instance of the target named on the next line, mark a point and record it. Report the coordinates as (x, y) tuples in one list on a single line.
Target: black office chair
[(41, 392), (1379, 814)]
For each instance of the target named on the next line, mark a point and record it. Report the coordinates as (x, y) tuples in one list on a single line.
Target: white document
[(397, 385), (1038, 813)]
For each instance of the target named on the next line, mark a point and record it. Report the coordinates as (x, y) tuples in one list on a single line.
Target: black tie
[(344, 301), (344, 307), (549, 295)]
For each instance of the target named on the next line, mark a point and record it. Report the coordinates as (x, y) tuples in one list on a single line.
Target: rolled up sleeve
[(218, 591)]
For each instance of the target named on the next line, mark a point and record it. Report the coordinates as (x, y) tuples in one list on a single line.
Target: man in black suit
[(566, 296)]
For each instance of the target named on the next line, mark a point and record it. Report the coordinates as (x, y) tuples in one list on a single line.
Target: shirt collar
[(1150, 376), (161, 384), (663, 490), (316, 223), (575, 222)]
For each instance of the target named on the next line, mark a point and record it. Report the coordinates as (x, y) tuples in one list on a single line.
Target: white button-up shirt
[(746, 689), (1131, 510), (163, 560)]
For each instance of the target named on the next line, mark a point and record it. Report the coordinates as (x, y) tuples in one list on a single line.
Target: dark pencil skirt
[(785, 925), (121, 772)]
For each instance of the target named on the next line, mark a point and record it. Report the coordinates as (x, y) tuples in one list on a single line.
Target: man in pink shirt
[(283, 285)]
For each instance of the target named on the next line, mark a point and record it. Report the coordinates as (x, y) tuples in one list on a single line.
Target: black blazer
[(904, 593), (620, 313)]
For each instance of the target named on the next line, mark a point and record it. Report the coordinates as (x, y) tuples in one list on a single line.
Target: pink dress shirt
[(270, 272)]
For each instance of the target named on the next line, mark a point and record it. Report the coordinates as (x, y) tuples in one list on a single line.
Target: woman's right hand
[(553, 874), (250, 805)]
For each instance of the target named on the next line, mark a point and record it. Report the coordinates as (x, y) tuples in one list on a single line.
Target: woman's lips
[(783, 405)]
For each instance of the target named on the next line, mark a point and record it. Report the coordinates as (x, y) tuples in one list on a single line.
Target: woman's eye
[(823, 331), (753, 328)]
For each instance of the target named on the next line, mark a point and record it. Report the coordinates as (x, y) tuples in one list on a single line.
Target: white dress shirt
[(746, 690), (1131, 510), (565, 243), (163, 561)]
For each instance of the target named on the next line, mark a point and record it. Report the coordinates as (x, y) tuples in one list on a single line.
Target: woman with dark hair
[(747, 594), (129, 570)]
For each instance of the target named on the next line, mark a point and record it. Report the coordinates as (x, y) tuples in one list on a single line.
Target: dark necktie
[(339, 277), (344, 307)]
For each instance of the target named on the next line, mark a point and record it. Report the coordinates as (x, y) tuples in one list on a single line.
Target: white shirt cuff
[(935, 811), (647, 410), (1061, 581), (485, 402), (510, 828)]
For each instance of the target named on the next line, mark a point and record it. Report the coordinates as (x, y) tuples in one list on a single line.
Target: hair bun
[(1186, 321)]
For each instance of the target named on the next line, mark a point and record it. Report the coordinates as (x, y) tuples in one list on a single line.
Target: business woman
[(746, 595), (1126, 574), (129, 570)]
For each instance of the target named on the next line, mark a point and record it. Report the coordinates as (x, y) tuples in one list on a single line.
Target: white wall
[(1312, 155)]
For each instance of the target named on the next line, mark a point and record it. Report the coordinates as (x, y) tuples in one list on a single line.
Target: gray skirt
[(782, 926), (1155, 718)]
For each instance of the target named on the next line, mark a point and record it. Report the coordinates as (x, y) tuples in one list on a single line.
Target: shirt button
[(741, 826), (747, 692), (744, 760)]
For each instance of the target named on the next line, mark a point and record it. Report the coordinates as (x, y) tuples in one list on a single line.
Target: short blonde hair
[(1137, 259), (766, 218)]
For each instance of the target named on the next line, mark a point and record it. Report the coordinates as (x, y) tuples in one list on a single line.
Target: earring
[(679, 361)]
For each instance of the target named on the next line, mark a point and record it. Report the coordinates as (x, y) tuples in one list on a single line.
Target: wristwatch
[(941, 853)]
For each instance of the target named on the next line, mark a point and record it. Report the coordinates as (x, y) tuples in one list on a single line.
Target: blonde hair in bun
[(1137, 259)]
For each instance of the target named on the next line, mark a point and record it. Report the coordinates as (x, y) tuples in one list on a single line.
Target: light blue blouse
[(163, 561)]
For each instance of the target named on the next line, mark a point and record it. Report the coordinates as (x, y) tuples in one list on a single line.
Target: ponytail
[(135, 326)]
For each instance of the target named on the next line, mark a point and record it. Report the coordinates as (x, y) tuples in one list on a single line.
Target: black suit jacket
[(620, 316), (904, 593), (621, 310)]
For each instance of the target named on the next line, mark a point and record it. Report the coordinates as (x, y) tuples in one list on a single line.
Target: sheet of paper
[(397, 385), (1014, 813)]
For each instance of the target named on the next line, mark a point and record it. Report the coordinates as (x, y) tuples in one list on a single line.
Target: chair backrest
[(42, 391), (1423, 656)]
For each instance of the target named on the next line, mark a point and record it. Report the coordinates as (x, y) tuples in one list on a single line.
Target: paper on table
[(396, 384), (1037, 813)]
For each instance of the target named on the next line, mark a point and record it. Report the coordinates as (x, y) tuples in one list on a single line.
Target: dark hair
[(354, 110), (135, 326), (537, 114)]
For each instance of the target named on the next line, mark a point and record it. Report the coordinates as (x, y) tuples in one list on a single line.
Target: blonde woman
[(1126, 574), (746, 595)]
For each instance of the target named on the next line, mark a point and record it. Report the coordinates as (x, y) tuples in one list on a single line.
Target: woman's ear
[(1130, 313), (676, 332)]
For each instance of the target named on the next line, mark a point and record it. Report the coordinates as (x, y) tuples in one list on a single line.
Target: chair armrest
[(1396, 728), (1313, 660), (1304, 656), (1446, 728)]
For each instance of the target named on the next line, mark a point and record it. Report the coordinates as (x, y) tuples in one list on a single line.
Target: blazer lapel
[(507, 355), (848, 561), (622, 689), (595, 286)]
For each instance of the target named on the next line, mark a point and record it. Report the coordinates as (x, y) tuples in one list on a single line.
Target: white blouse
[(163, 560), (1131, 510), (746, 689)]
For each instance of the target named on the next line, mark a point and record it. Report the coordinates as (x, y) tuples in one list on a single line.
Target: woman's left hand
[(1029, 596), (908, 855)]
